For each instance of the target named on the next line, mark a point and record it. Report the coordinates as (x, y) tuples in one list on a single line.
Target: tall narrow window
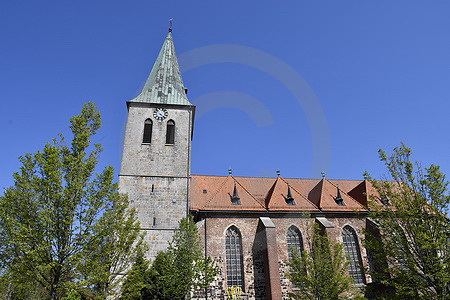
[(294, 241), (170, 134), (147, 131), (351, 249), (233, 257)]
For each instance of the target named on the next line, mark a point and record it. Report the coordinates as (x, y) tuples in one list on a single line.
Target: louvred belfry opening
[(148, 126), (170, 133)]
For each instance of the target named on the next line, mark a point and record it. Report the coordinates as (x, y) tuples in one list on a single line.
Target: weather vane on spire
[(170, 22)]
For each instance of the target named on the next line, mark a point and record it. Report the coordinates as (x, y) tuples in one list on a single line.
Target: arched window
[(170, 134), (147, 131), (351, 249), (233, 257), (294, 241)]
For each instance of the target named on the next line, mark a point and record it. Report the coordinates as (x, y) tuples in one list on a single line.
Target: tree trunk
[(53, 294)]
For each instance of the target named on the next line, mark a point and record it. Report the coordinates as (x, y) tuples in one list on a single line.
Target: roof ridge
[(345, 179), (285, 178), (197, 175)]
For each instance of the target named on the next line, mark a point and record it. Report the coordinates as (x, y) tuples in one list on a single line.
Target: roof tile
[(261, 193)]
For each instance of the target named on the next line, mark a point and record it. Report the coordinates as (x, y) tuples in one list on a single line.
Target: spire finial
[(170, 22), (323, 174), (230, 171), (278, 173)]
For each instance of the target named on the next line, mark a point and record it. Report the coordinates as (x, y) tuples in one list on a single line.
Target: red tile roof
[(276, 199), (324, 193), (218, 194), (213, 193)]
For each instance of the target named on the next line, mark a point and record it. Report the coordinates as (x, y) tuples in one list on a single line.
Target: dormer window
[(338, 198), (235, 200), (384, 200), (147, 138), (289, 199), (170, 133)]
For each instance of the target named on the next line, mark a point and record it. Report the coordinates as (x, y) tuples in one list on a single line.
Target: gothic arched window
[(294, 241), (170, 134), (351, 249), (233, 257), (147, 131)]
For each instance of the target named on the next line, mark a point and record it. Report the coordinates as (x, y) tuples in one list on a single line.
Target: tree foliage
[(135, 285), (62, 226), (192, 269), (412, 241), (175, 273), (320, 273), (11, 287)]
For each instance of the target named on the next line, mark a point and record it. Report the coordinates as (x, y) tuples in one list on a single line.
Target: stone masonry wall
[(160, 202), (155, 176), (156, 158), (254, 282)]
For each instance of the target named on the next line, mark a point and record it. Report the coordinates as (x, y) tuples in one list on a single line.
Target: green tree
[(12, 288), (192, 269), (62, 226), (320, 273), (411, 214), (135, 285), (161, 279), (177, 271)]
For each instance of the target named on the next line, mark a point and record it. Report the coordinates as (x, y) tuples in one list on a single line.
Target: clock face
[(160, 114)]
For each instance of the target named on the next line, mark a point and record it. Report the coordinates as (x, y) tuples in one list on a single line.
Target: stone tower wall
[(156, 176), (156, 158)]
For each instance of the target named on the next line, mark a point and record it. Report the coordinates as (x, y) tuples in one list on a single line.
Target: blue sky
[(376, 72)]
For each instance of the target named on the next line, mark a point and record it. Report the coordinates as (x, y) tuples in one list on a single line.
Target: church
[(248, 225)]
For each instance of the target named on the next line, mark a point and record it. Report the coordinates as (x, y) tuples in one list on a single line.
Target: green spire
[(164, 84)]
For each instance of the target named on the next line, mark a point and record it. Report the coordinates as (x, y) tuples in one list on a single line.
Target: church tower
[(155, 169)]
